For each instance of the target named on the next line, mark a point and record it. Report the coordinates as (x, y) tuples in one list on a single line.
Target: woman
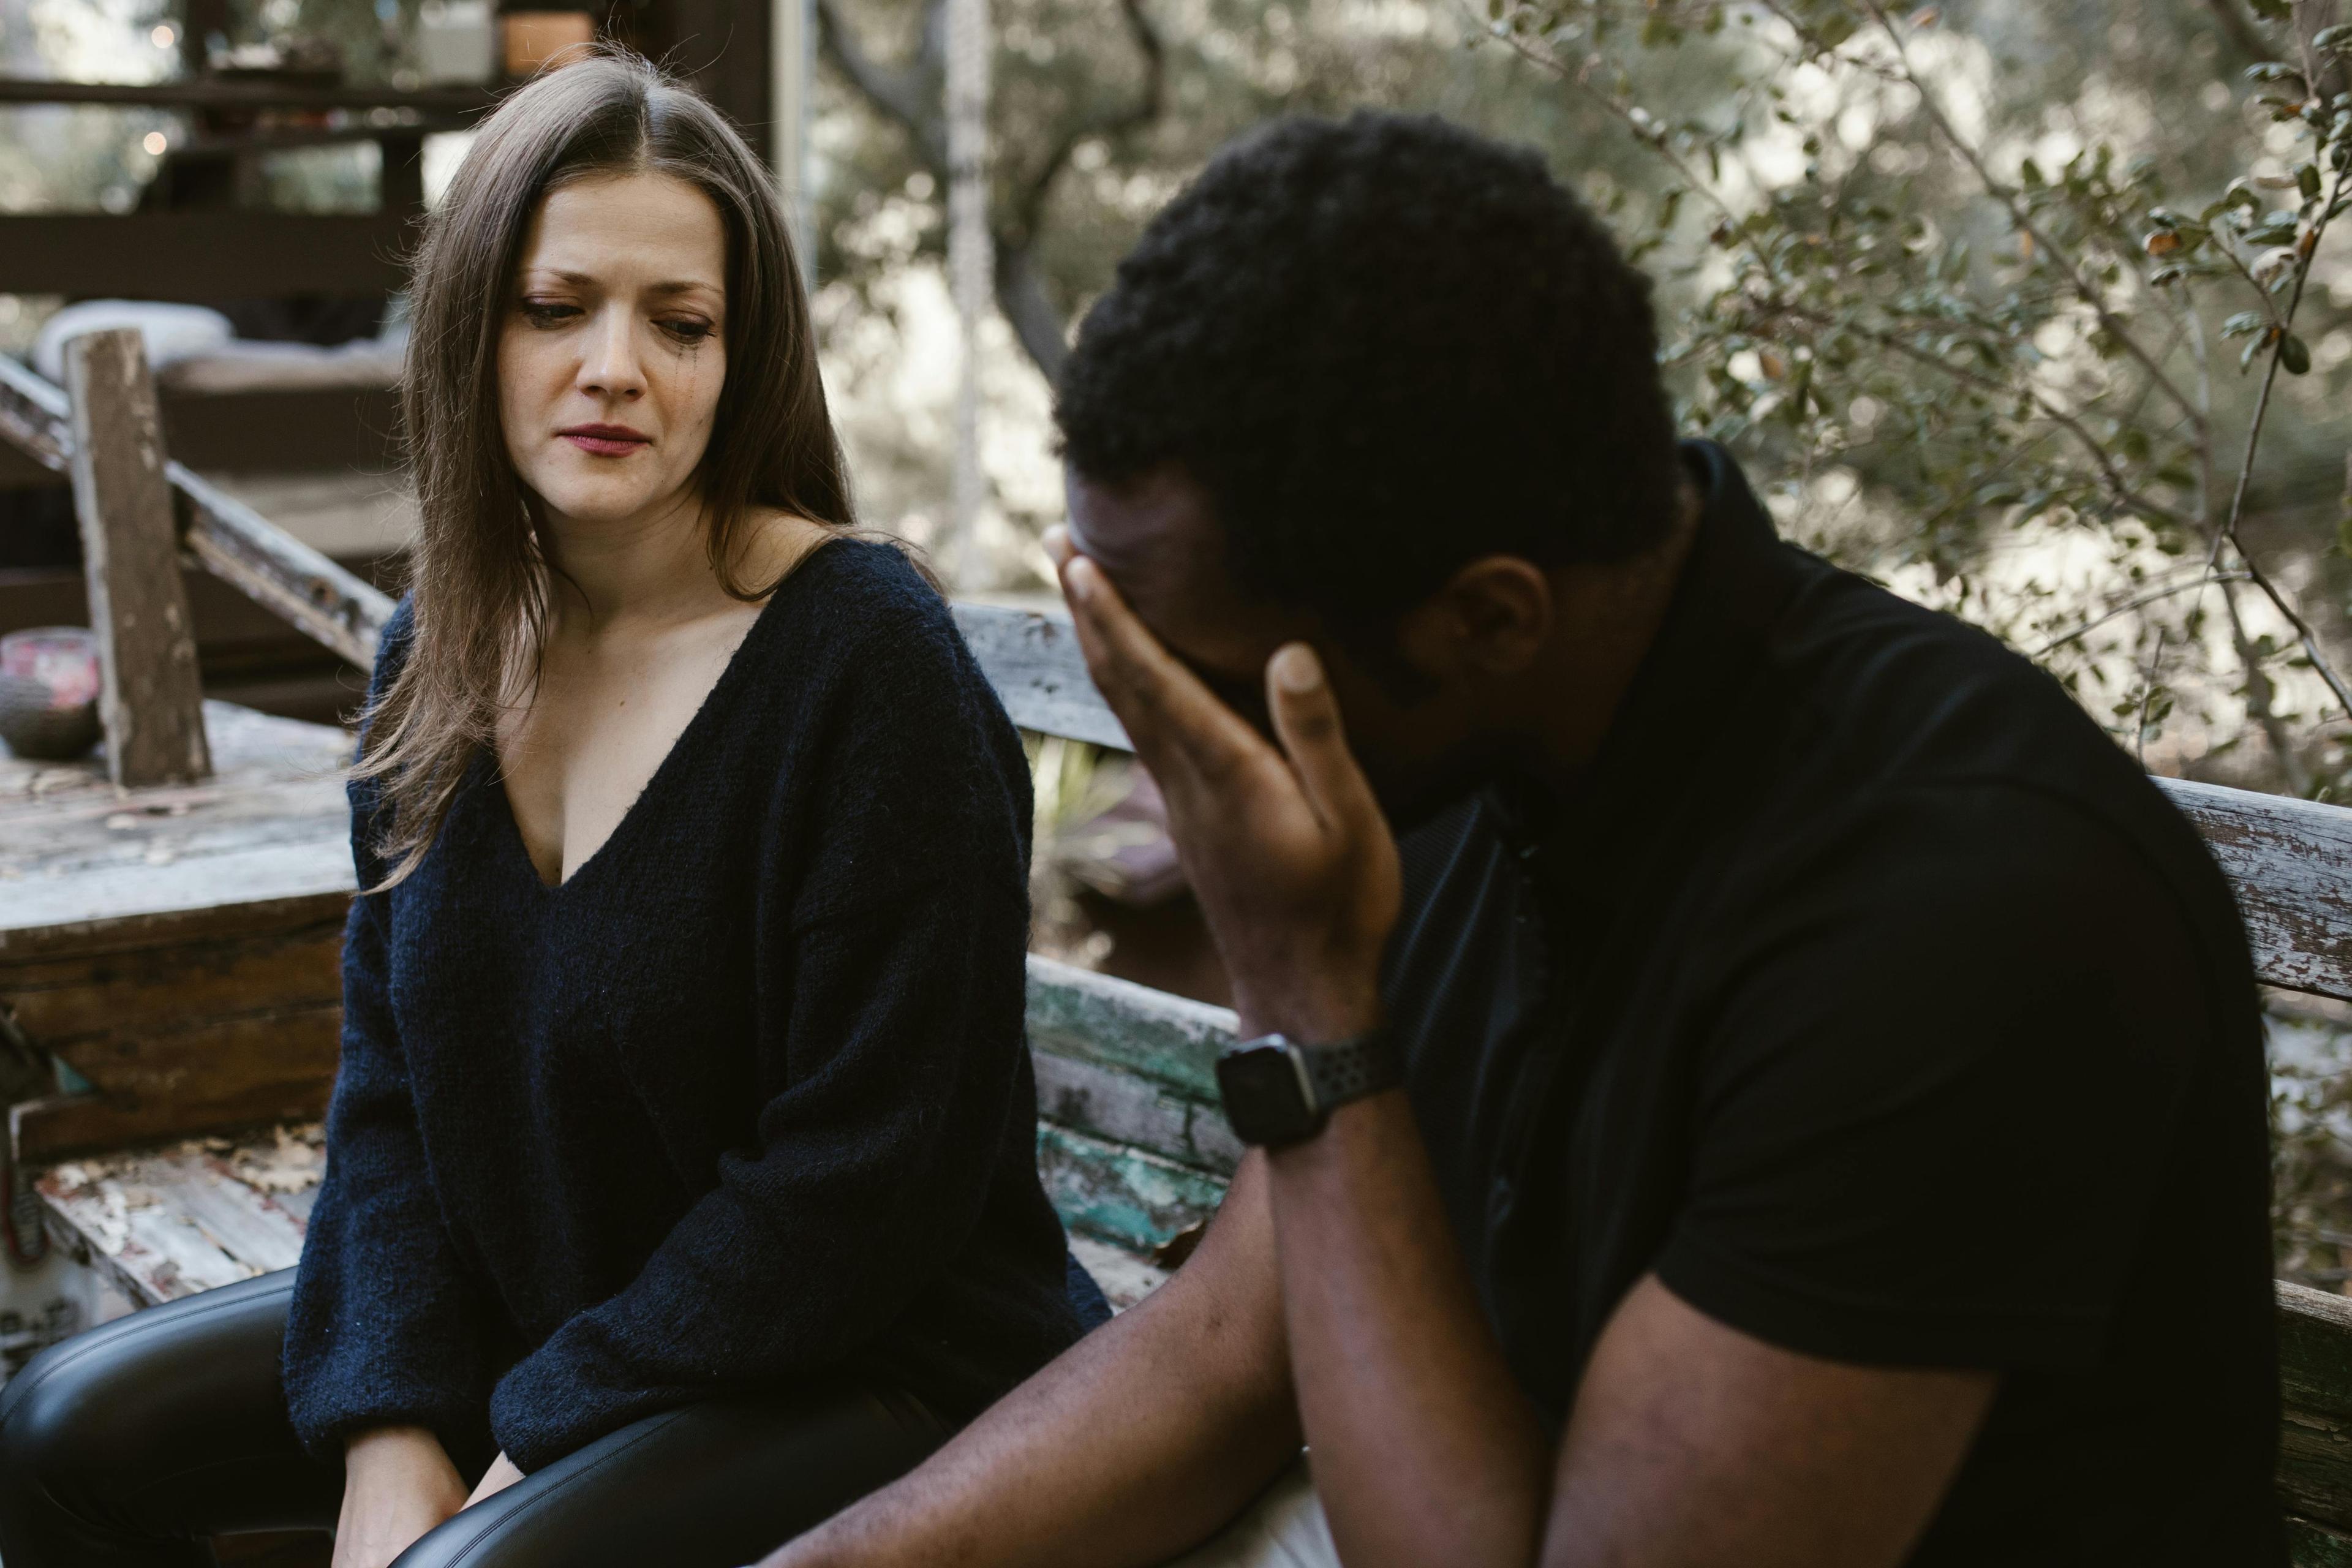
[(680, 1181)]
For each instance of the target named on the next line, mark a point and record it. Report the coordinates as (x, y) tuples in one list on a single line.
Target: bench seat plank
[(1125, 1196), (173, 1222)]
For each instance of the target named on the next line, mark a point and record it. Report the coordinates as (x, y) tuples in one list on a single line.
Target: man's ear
[(1492, 619)]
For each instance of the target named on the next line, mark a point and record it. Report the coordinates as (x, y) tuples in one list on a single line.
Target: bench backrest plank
[(2289, 860)]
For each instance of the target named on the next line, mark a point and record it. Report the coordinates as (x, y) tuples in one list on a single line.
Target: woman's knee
[(110, 1400), (60, 1415), (710, 1486)]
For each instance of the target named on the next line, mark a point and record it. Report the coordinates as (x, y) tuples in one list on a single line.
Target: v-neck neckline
[(703, 716)]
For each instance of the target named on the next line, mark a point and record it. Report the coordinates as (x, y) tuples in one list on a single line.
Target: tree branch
[(2084, 288), (2325, 78), (909, 96), (1030, 205), (2139, 602), (2112, 477), (2239, 29), (2259, 691), (1037, 323)]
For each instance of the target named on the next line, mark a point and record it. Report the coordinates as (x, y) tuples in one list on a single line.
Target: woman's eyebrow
[(670, 286)]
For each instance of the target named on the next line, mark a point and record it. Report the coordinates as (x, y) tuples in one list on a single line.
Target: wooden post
[(150, 700)]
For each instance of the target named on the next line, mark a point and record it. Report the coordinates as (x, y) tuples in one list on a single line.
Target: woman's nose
[(610, 367)]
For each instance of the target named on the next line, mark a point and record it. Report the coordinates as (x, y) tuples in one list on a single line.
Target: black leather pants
[(130, 1445)]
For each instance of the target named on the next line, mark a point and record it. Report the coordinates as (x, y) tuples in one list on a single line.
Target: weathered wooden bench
[(174, 949)]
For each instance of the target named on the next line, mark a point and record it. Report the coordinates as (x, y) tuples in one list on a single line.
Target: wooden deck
[(78, 857), (178, 947)]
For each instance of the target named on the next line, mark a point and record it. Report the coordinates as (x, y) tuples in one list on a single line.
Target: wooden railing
[(218, 532)]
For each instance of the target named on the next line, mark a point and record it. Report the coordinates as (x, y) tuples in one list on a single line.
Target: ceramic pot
[(49, 692)]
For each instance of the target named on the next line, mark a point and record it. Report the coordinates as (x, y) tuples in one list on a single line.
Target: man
[(1784, 1089)]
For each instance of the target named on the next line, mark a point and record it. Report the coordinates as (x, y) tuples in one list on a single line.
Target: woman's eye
[(688, 331), (548, 312)]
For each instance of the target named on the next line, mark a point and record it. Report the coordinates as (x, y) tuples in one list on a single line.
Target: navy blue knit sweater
[(743, 1101)]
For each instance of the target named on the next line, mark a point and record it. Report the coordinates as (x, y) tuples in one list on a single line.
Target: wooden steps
[(178, 948)]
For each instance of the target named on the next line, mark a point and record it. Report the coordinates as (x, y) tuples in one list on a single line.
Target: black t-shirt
[(1868, 994)]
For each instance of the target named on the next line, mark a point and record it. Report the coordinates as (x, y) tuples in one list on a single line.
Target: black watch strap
[(1351, 1070)]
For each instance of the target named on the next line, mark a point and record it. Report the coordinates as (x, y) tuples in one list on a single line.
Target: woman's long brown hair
[(478, 573)]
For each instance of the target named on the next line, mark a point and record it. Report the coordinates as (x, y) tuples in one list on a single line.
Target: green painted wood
[(2314, 1473), (2310, 1545), (1123, 1107), (1118, 1024), (2314, 1349), (1118, 1195)]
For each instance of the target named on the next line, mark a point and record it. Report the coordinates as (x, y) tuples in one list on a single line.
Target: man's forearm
[(1424, 1449), (1137, 1443)]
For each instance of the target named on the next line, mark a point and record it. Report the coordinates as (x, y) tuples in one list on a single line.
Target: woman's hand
[(501, 1475), (1286, 850), (398, 1483)]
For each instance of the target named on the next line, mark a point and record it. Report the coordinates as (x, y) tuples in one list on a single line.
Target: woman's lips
[(604, 440)]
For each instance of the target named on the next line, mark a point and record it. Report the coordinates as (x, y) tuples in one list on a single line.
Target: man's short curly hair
[(1384, 346)]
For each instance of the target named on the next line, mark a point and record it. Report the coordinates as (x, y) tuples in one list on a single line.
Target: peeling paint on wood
[(149, 695), (2314, 1473), (1032, 658), (1116, 1104), (85, 868), (1168, 1039), (2290, 862), (2314, 1545), (1125, 1197), (172, 1223)]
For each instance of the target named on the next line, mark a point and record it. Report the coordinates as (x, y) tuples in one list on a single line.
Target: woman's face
[(614, 348)]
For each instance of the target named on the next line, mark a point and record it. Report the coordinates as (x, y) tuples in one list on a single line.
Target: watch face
[(1264, 1099)]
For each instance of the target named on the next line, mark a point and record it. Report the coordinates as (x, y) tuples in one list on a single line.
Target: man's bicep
[(1693, 1445), (1936, 1102)]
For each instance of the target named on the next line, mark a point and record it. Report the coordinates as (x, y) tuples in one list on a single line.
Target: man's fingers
[(1307, 718), (1167, 713)]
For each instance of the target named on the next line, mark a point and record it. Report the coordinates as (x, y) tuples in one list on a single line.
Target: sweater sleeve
[(891, 1014), (381, 1330)]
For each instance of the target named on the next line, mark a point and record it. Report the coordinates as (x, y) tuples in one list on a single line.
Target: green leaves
[(2278, 228), (1964, 365)]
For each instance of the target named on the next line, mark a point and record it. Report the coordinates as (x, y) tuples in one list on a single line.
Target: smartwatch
[(1278, 1091)]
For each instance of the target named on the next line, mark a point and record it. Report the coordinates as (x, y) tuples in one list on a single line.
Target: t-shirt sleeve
[(1939, 1086)]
